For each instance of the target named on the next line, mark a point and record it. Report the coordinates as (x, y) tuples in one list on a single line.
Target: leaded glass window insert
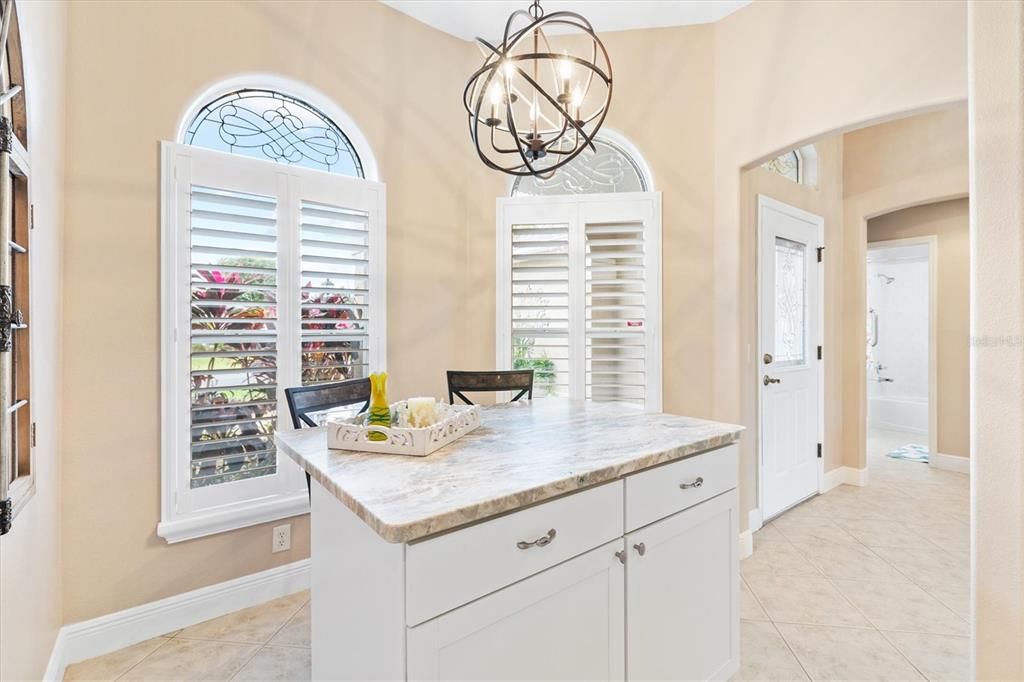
[(787, 165), (790, 302), (270, 125), (608, 169)]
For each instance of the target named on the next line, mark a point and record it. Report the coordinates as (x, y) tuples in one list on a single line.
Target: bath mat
[(914, 453)]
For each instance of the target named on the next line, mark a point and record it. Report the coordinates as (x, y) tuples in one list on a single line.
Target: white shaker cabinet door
[(566, 623), (682, 594)]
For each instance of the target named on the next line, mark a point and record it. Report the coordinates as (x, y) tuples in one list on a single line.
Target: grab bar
[(874, 327)]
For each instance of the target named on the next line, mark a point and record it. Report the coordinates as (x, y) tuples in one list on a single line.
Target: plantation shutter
[(272, 279), (579, 282), (616, 312), (233, 327)]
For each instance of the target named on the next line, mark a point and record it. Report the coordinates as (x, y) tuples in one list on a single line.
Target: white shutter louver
[(540, 305), (616, 312), (335, 290), (233, 335)]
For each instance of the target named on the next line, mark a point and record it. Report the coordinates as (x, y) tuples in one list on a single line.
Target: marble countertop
[(522, 453)]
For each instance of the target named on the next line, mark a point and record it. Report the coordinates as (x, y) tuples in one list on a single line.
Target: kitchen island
[(559, 540)]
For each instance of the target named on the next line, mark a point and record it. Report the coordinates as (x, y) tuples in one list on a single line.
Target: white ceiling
[(468, 19)]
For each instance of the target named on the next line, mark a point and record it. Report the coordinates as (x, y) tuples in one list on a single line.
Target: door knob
[(768, 359), (769, 380)]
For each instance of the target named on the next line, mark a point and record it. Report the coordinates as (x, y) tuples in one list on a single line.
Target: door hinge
[(31, 216), (33, 434), (819, 450), (6, 515), (821, 252), (819, 352)]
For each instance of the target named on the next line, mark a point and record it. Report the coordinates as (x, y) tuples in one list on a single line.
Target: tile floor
[(863, 583), (860, 583)]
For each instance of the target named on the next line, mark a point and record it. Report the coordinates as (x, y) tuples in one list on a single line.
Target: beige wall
[(997, 326), (133, 69), (786, 73), (948, 222), (30, 555), (908, 162), (825, 200)]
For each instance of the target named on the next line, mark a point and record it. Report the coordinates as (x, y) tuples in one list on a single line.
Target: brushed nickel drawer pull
[(696, 483), (641, 549), (542, 541), (621, 556)]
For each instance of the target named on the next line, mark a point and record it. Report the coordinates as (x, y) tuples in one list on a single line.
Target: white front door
[(789, 368)]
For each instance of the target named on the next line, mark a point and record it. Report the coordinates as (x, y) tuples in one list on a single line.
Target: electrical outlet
[(282, 539)]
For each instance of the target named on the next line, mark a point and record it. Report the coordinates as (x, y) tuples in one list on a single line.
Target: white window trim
[(574, 209), (234, 505)]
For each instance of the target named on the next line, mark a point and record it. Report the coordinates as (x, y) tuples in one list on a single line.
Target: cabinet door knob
[(640, 548), (542, 541), (696, 483), (621, 556)]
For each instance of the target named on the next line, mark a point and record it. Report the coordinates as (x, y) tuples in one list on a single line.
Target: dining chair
[(306, 401), (462, 382)]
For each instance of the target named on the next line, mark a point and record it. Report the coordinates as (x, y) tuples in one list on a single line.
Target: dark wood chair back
[(306, 401), (460, 382)]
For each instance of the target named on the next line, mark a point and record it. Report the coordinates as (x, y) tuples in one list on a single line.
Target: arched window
[(274, 277), (797, 165), (267, 124), (611, 168)]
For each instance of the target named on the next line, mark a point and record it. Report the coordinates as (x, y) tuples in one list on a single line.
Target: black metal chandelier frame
[(531, 147)]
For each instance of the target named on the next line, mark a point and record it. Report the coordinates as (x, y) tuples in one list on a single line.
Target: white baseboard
[(843, 476), (98, 636), (58, 659), (952, 463), (746, 543)]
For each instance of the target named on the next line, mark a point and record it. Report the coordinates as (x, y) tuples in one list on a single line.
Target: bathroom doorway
[(900, 355)]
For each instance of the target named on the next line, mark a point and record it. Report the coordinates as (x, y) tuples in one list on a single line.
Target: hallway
[(863, 583)]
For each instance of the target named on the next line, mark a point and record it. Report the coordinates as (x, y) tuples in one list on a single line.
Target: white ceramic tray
[(354, 433)]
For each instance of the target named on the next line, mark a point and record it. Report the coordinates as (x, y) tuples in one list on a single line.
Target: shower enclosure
[(898, 362)]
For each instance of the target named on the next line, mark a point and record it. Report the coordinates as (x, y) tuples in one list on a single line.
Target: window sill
[(190, 528)]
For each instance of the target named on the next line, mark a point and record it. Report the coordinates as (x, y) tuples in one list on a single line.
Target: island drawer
[(664, 490), (452, 569)]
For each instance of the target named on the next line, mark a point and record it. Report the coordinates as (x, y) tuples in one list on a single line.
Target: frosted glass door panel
[(790, 302)]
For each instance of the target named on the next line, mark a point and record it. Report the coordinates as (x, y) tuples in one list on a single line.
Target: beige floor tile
[(296, 632), (846, 654), (811, 529), (957, 598), (777, 558), (254, 625), (767, 534), (884, 533), (182, 659), (904, 607), (849, 561), (113, 665), (749, 608), (939, 657), (765, 655), (277, 663), (929, 568), (950, 535), (804, 599)]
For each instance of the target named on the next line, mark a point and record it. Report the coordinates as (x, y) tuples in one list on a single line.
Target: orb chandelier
[(531, 109)]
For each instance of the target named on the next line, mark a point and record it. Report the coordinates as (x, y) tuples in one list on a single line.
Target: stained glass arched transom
[(797, 165), (267, 124), (608, 169)]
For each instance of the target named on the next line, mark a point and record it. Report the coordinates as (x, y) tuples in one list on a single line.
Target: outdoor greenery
[(543, 367)]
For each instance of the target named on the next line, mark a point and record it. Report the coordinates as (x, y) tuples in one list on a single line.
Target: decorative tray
[(353, 433)]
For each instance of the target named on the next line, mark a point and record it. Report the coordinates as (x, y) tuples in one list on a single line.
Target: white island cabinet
[(561, 540)]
